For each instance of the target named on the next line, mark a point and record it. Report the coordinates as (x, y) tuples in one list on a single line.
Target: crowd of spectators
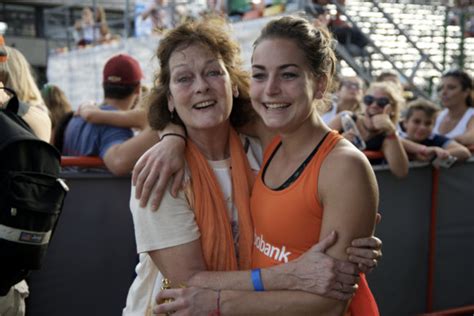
[(92, 28), (385, 116)]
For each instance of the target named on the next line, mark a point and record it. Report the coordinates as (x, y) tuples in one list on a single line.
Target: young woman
[(456, 121), (311, 83), (377, 126), (348, 98)]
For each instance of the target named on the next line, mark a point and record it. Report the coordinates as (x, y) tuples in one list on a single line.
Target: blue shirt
[(436, 140), (87, 139)]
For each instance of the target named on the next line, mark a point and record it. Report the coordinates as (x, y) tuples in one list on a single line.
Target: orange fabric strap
[(210, 207)]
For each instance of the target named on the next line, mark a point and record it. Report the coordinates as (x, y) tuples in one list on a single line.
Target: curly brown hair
[(213, 34)]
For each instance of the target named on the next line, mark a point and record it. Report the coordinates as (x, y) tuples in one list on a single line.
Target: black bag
[(31, 196)]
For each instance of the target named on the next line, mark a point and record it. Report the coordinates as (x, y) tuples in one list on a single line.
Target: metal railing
[(408, 76)]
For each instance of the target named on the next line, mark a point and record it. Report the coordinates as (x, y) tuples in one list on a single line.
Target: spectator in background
[(456, 121), (160, 15), (57, 103), (116, 146), (216, 7), (351, 37), (347, 98), (135, 118), (92, 28), (419, 140), (377, 126), (16, 74), (392, 76)]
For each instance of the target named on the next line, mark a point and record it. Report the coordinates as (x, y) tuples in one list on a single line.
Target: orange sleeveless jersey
[(288, 222)]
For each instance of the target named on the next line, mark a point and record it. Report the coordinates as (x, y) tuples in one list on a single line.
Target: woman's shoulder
[(345, 167), (344, 158)]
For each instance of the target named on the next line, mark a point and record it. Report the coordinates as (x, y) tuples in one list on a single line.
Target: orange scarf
[(210, 207)]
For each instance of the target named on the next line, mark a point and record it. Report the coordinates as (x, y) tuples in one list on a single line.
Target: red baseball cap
[(122, 70)]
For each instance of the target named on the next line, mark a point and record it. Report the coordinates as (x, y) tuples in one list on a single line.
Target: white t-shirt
[(174, 224), (459, 129)]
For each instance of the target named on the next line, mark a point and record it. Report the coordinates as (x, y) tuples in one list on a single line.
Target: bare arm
[(165, 161), (347, 173), (457, 150), (135, 118), (392, 147), (468, 137), (121, 158), (395, 155), (285, 303), (158, 165), (182, 262), (314, 272)]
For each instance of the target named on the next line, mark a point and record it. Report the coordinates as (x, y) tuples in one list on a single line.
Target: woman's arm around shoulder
[(135, 118)]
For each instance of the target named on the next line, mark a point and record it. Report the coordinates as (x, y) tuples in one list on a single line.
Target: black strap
[(299, 170)]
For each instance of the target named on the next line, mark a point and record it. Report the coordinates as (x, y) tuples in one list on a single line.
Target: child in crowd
[(419, 140)]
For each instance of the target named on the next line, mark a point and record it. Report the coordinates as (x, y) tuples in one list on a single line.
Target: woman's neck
[(298, 143), (457, 112), (213, 143)]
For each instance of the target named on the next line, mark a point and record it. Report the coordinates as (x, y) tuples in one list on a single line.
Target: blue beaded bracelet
[(257, 280)]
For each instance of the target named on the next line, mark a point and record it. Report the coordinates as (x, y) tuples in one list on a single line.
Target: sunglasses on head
[(381, 102)]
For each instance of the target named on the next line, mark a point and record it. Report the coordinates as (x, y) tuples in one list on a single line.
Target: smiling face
[(200, 88), (419, 126), (282, 88), (373, 108), (451, 92)]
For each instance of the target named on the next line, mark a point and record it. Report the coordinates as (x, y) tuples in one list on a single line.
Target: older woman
[(377, 126), (456, 121), (208, 227)]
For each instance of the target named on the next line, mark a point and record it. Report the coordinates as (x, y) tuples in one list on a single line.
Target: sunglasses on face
[(381, 102)]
